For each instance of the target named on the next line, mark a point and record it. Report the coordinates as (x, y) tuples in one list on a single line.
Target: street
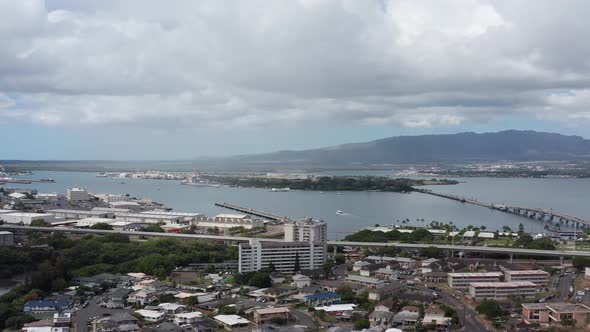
[(564, 286)]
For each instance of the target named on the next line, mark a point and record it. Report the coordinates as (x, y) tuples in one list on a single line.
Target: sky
[(143, 79)]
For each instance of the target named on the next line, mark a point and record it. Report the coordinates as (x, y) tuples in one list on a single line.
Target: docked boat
[(280, 189)]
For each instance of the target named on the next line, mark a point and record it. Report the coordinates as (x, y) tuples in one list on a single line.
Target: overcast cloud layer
[(166, 65)]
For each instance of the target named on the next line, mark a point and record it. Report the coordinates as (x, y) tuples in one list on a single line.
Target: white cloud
[(224, 63)]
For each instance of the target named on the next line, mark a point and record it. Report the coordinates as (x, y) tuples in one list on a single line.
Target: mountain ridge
[(508, 145)]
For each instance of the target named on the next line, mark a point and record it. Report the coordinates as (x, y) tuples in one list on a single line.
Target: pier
[(253, 212), (531, 213)]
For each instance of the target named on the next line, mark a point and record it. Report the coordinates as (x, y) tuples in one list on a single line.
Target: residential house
[(266, 315), (301, 281), (381, 317), (407, 317), (435, 317), (152, 315), (233, 323)]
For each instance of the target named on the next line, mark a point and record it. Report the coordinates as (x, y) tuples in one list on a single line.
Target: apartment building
[(537, 277), (461, 281), (501, 290), (256, 255), (306, 230)]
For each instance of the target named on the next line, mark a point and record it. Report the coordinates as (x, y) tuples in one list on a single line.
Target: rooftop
[(337, 307), (475, 274), (271, 310), (354, 277), (231, 320), (526, 272), (325, 295), (567, 307)]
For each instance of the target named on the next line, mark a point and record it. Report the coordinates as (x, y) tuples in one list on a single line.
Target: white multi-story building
[(112, 197), (256, 255), (501, 290), (537, 277), (77, 194), (461, 281), (306, 230)]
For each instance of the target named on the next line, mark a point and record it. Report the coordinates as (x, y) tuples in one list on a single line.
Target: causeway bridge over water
[(253, 212), (531, 213)]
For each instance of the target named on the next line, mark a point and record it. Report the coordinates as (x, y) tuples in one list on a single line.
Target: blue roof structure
[(53, 305), (326, 295)]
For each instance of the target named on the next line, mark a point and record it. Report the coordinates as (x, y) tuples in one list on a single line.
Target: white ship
[(280, 189), (197, 181)]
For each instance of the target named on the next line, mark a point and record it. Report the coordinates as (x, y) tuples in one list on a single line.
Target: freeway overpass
[(492, 250)]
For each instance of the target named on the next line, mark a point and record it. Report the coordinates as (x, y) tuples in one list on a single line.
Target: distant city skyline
[(140, 80)]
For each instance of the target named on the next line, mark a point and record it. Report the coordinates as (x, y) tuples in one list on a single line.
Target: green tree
[(431, 252), (40, 223), (489, 308), (361, 324), (152, 228), (101, 225), (581, 262)]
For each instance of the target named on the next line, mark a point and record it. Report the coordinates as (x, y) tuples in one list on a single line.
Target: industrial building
[(149, 218), (89, 222), (26, 217), (461, 281), (225, 221), (80, 214), (307, 230), (502, 290), (256, 255)]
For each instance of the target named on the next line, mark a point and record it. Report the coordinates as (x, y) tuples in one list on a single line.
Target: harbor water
[(358, 209)]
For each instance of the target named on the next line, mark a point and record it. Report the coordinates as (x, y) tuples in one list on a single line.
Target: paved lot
[(82, 316)]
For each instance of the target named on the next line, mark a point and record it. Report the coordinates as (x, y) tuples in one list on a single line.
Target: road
[(467, 316), (564, 286), (497, 250), (303, 318)]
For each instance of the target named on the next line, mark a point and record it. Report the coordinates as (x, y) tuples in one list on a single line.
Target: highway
[(494, 250)]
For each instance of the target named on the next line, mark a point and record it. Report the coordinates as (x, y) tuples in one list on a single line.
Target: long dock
[(531, 213), (253, 212)]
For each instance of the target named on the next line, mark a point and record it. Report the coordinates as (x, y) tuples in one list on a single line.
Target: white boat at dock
[(280, 189)]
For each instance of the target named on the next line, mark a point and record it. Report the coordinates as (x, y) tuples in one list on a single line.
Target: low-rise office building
[(461, 281), (256, 255), (502, 290), (556, 313), (537, 277)]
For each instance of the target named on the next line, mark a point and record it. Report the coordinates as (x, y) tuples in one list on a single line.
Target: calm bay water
[(361, 209)]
